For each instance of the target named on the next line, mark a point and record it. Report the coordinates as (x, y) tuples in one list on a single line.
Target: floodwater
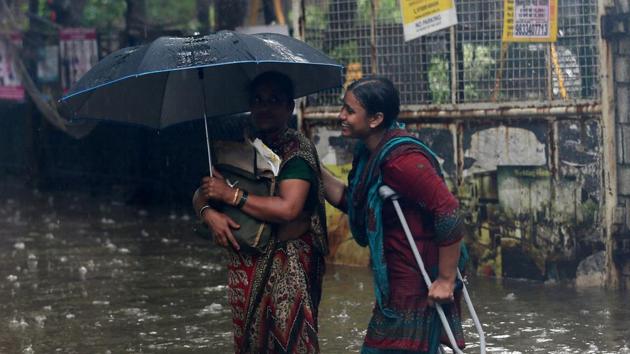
[(93, 275)]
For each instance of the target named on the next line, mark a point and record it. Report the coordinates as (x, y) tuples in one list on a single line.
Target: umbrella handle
[(205, 123), (205, 117)]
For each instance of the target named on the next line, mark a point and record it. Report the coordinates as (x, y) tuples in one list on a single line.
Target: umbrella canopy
[(174, 80)]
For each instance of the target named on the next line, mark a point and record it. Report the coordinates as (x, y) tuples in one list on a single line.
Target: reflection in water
[(86, 276)]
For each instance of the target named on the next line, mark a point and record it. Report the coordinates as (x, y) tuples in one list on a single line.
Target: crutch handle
[(386, 193)]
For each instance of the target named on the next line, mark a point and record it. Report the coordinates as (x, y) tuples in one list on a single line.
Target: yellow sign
[(422, 17), (353, 73), (530, 20)]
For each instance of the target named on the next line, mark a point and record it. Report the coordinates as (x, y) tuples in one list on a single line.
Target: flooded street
[(88, 275)]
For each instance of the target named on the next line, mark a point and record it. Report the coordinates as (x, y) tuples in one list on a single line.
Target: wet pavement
[(80, 274)]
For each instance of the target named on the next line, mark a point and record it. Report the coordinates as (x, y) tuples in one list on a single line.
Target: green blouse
[(298, 168)]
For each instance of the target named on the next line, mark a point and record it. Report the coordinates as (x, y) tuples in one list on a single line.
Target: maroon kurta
[(428, 206)]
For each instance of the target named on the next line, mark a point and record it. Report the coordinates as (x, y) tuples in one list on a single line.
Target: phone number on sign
[(531, 29)]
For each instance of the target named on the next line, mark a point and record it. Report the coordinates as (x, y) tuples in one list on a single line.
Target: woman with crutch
[(404, 319)]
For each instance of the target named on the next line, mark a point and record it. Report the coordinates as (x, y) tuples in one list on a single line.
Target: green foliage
[(315, 16), (180, 14), (346, 53), (478, 62), (387, 11), (104, 14), (439, 82)]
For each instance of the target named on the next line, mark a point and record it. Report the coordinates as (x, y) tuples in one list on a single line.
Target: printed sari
[(275, 295)]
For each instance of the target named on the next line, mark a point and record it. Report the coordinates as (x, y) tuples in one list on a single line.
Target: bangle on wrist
[(235, 198), (203, 208), (243, 199)]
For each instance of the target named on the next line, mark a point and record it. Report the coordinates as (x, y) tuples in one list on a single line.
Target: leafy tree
[(439, 82), (105, 14), (387, 11), (346, 53), (478, 62), (169, 14)]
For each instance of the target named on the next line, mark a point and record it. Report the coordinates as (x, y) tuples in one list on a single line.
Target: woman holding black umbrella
[(403, 319), (274, 295)]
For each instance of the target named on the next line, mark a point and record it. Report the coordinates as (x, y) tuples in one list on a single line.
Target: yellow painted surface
[(343, 249), (353, 73), (413, 10), (512, 24)]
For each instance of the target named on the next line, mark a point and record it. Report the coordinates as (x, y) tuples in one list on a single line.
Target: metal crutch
[(387, 193)]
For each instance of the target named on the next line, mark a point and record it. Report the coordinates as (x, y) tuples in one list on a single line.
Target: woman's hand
[(215, 188), (441, 291), (221, 227), (334, 188)]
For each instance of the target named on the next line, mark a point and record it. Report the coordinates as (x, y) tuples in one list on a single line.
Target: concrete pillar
[(609, 149), (621, 75)]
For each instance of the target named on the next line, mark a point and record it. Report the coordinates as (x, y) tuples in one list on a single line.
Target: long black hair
[(377, 94)]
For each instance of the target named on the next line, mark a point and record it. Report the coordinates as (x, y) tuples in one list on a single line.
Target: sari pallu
[(275, 295)]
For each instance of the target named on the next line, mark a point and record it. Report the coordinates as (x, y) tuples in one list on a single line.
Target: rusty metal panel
[(580, 156), (624, 144), (439, 137), (487, 146), (623, 103), (624, 177)]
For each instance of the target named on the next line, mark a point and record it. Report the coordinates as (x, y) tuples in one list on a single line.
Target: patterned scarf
[(288, 145), (365, 205)]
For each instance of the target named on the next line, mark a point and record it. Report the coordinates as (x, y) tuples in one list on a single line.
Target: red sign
[(78, 53), (10, 84)]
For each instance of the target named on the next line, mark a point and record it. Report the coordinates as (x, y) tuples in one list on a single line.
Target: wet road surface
[(93, 275)]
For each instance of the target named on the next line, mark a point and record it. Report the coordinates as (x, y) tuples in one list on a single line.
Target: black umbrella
[(174, 80)]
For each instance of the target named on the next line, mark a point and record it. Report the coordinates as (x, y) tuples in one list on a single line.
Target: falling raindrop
[(40, 319), (14, 324), (107, 221), (32, 262), (82, 272), (110, 245), (91, 265)]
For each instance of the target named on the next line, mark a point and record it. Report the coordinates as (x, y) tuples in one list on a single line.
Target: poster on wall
[(530, 20), (48, 64), (10, 84), (78, 53), (421, 17)]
